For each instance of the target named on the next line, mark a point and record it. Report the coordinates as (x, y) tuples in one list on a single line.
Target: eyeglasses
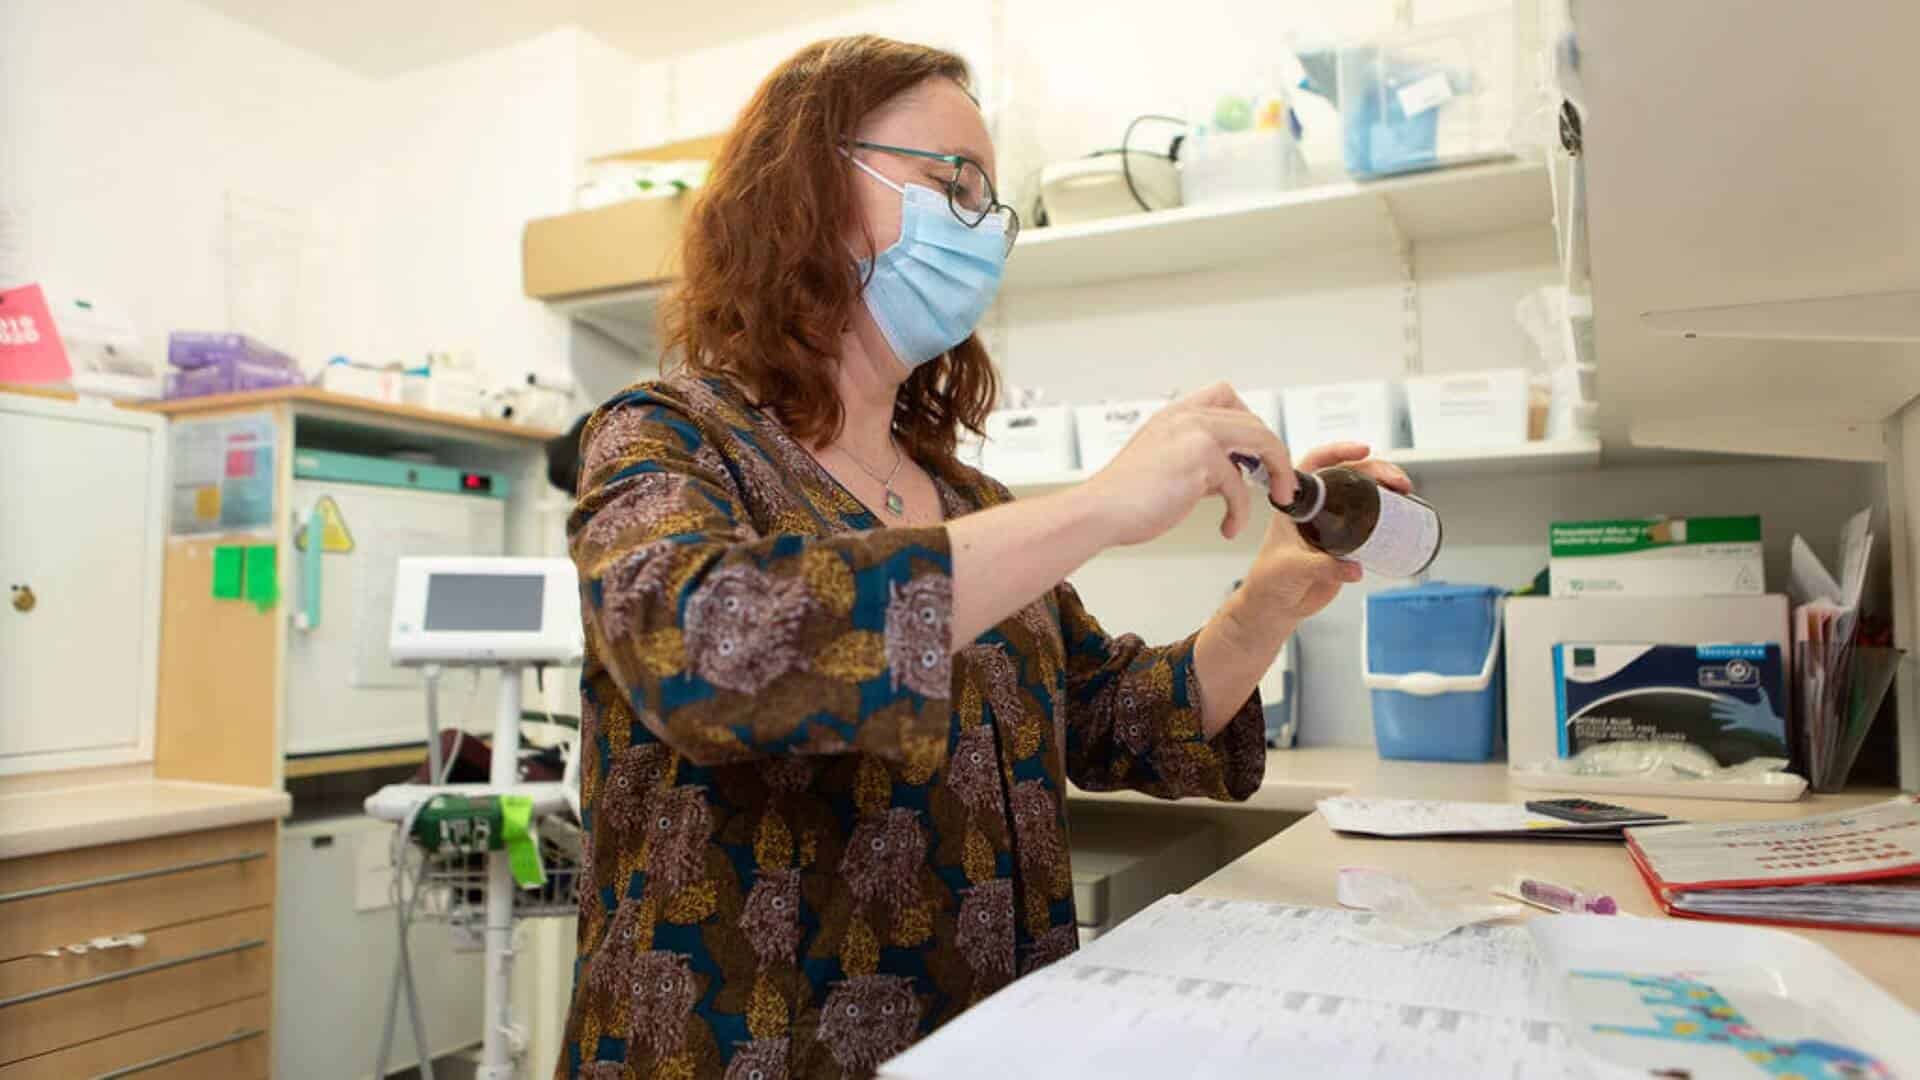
[(970, 193)]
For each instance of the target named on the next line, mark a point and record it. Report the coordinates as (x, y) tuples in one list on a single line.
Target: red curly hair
[(767, 284)]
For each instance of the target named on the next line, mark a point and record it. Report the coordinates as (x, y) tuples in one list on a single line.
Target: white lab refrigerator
[(337, 939), (343, 693)]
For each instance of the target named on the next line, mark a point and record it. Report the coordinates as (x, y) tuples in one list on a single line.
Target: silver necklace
[(896, 505)]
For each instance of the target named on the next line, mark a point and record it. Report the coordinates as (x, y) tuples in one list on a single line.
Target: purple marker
[(1560, 898)]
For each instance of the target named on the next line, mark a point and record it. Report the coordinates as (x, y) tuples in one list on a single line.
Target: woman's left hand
[(1291, 580)]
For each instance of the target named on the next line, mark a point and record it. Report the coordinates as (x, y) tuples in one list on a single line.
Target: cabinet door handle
[(143, 969), (241, 1035), (135, 875)]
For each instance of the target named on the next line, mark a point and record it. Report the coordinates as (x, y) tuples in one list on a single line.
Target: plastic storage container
[(1433, 670), (1469, 408), (1104, 429), (1434, 95), (1224, 166), (1264, 404), (1373, 412), (1027, 444)]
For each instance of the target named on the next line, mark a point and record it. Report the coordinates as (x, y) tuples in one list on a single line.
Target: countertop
[(111, 808), (1295, 781), (1298, 866)]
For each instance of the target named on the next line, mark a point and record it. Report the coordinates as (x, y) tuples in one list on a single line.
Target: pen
[(1551, 897)]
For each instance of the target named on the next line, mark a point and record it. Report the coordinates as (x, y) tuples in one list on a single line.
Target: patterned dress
[(846, 837)]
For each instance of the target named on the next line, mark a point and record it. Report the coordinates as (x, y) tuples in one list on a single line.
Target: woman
[(836, 682)]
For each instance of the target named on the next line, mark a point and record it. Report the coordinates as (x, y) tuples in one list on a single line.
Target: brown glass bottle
[(1344, 513)]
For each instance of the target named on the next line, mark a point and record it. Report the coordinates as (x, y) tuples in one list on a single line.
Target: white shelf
[(1345, 216), (1377, 214), (1559, 455)]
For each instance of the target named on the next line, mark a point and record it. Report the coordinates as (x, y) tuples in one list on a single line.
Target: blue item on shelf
[(1434, 671)]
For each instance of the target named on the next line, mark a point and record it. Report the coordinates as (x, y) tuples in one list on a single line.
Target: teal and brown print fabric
[(828, 835)]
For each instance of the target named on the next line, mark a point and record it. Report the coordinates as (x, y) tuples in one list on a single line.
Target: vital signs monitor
[(455, 611)]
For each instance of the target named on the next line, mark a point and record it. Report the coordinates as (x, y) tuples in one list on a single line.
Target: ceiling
[(381, 38)]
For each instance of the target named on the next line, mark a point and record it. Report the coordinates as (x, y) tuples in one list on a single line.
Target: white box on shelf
[(1105, 428), (1372, 411), (375, 383), (443, 390), (1467, 409), (1264, 404), (1024, 444)]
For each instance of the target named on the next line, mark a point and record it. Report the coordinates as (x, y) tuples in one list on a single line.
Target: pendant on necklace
[(895, 504)]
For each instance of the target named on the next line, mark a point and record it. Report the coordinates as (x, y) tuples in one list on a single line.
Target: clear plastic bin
[(1225, 166), (1430, 96), (1433, 670)]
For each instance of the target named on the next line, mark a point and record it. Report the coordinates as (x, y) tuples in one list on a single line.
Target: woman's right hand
[(1179, 457)]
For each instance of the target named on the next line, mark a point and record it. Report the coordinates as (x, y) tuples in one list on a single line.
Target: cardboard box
[(625, 245), (1535, 624), (1719, 556), (1728, 700)]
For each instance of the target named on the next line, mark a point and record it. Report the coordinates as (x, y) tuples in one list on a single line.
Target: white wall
[(124, 127)]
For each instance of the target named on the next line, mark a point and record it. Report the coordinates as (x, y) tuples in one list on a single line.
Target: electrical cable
[(438, 769), (1126, 153)]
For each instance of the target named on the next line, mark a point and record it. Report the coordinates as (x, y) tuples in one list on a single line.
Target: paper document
[(1838, 682), (1425, 817), (1221, 988)]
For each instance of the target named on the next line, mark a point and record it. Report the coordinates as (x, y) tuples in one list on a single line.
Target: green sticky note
[(226, 572), (263, 577)]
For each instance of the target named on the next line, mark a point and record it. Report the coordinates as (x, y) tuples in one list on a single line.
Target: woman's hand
[(1179, 457), (1289, 580)]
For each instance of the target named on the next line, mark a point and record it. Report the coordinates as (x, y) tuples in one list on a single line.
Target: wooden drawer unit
[(51, 901), (78, 998), (228, 1041)]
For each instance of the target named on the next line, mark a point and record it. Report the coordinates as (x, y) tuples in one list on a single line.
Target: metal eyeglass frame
[(965, 216)]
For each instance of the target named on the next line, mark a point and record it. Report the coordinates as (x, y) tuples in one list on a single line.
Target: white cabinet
[(82, 524)]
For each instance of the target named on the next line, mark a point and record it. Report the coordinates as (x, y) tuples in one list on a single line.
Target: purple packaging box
[(190, 349), (228, 377)]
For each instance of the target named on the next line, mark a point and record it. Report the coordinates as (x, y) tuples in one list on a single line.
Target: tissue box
[(1104, 429), (1728, 700), (1373, 412), (1025, 444), (1705, 556)]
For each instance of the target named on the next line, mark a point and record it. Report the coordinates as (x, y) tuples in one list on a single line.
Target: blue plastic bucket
[(1433, 668)]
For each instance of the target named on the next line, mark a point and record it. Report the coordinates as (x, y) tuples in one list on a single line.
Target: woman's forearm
[(1235, 648), (1006, 557)]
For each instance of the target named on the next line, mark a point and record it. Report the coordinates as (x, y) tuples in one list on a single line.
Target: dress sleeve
[(739, 644), (1134, 718)]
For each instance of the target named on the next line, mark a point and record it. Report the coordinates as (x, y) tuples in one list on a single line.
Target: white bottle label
[(1404, 540)]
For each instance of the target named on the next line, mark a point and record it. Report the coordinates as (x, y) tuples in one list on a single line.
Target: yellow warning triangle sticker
[(334, 535)]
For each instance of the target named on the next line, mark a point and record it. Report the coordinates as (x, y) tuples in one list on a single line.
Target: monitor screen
[(485, 602)]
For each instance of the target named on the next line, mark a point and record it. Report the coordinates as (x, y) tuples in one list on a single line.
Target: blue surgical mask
[(930, 288)]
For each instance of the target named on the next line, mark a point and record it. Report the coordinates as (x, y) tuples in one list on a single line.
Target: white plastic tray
[(395, 801), (1711, 1000), (1770, 787)]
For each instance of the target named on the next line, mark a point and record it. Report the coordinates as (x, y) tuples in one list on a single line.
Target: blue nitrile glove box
[(1728, 700)]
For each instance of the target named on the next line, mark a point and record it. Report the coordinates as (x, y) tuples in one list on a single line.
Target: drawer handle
[(136, 875), (99, 944), (143, 969), (179, 1055)]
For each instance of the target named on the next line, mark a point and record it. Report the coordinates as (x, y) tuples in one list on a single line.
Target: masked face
[(930, 288)]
